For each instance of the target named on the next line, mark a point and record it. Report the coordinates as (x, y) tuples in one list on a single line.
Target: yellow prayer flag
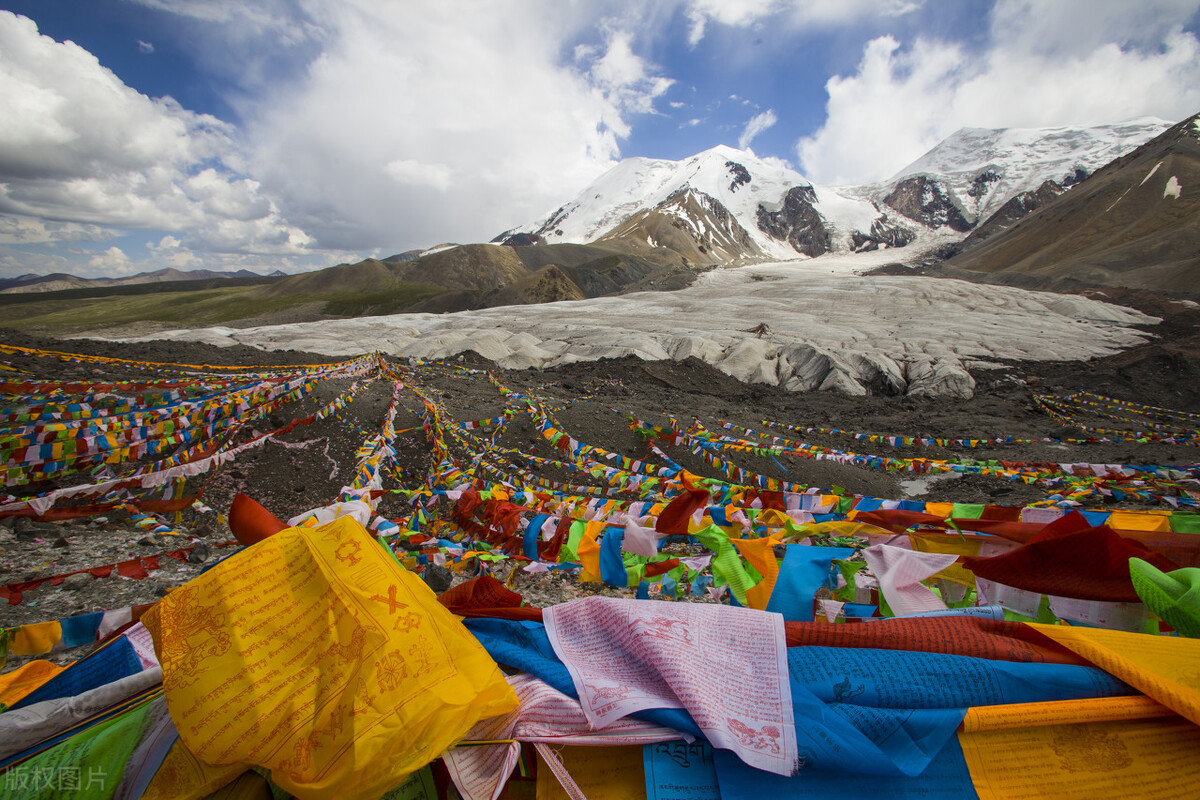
[(939, 509), (15, 685), (1139, 521), (760, 554), (314, 654), (1166, 668), (1063, 712), (949, 543), (37, 638), (1157, 758), (588, 551), (182, 776), (601, 773)]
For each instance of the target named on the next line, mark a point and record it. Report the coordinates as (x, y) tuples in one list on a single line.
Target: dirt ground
[(586, 399)]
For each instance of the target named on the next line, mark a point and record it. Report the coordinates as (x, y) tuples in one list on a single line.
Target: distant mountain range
[(726, 206), (59, 281)]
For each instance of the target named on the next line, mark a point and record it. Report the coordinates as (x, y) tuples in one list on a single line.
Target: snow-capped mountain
[(986, 167), (726, 205), (687, 190), (1135, 222)]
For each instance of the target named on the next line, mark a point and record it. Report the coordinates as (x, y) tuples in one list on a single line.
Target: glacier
[(828, 326)]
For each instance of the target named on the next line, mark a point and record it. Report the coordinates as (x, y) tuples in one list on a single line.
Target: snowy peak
[(986, 167), (737, 180), (693, 224)]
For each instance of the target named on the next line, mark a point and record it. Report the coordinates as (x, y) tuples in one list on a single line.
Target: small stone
[(61, 541), (437, 578), (199, 555), (23, 526), (73, 583), (162, 591), (148, 542)]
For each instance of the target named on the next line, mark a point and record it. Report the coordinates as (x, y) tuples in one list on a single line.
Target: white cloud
[(1076, 27), (278, 18), (145, 48), (31, 230), (904, 99), (423, 122), (78, 145), (625, 77), (794, 13), (170, 252), (112, 261), (414, 173), (757, 124)]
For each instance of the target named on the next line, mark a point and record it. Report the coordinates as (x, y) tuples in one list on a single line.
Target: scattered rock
[(206, 528), (73, 583), (199, 555), (61, 541), (437, 578)]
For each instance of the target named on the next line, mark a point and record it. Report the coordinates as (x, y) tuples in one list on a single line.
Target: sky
[(296, 134)]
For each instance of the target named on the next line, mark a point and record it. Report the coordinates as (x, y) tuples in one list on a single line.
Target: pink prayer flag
[(900, 573), (726, 666)]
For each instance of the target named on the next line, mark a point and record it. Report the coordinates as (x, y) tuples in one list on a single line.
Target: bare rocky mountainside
[(1134, 223)]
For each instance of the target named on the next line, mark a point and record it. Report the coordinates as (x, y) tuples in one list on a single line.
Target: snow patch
[(1173, 188), (1150, 174)]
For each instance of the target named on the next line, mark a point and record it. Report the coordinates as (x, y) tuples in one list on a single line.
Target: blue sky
[(294, 134)]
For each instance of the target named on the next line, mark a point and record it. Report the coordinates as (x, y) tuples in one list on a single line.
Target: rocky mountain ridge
[(59, 281)]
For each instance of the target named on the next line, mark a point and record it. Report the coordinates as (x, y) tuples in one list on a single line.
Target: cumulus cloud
[(112, 261), (757, 124), (1033, 72), (79, 146), (624, 77), (358, 151)]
